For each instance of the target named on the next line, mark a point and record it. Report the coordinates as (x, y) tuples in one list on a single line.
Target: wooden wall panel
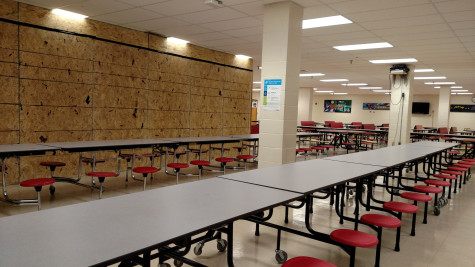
[(9, 90), (159, 100), (115, 118), (9, 9), (41, 118), (38, 136), (9, 137), (48, 93)]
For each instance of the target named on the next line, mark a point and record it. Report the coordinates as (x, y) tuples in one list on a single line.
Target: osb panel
[(236, 130), (119, 97), (54, 43), (58, 75), (120, 70), (237, 94), (235, 105), (207, 83), (122, 55), (203, 120), (157, 42), (178, 49), (206, 103), (206, 91), (37, 118), (115, 118), (237, 75), (168, 101), (54, 136), (169, 87), (8, 34), (168, 133), (124, 81), (205, 54), (205, 132), (34, 92), (206, 70), (120, 134), (55, 62), (243, 87), (169, 64), (9, 69), (168, 119), (232, 60), (8, 9), (8, 90), (9, 137), (8, 55), (119, 34), (236, 120), (12, 174), (9, 117)]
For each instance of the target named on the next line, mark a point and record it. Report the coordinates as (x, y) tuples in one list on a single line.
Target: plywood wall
[(62, 87)]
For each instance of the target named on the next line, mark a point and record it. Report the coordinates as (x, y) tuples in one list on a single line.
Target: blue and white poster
[(272, 90)]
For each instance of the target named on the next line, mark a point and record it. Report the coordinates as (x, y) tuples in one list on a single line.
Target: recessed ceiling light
[(323, 91), (310, 74), (464, 93), (256, 82), (362, 46), (453, 93), (339, 93), (439, 83), (370, 87), (315, 88), (456, 87), (177, 40), (387, 93), (256, 89), (459, 90), (382, 91), (243, 57), (423, 70), (68, 14), (354, 84), (325, 21), (437, 87), (334, 80), (396, 60), (431, 78)]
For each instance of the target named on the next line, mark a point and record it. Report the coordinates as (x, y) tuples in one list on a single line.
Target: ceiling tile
[(456, 5), (139, 3), (368, 5), (183, 31), (245, 31), (219, 14), (178, 7), (128, 16), (460, 16), (97, 7), (157, 24), (231, 24), (251, 9)]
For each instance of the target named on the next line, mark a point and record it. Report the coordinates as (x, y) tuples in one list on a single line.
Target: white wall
[(462, 120), (305, 105)]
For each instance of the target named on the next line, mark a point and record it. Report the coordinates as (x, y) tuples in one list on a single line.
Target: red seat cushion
[(471, 160), (245, 157), (354, 238), (445, 176), (102, 174), (306, 149), (348, 144), (299, 150), (126, 155), (459, 169), (150, 155), (224, 159), (428, 189), (453, 152), (468, 163), (52, 163), (381, 220), (199, 151), (328, 146), (200, 162), (177, 153), (90, 160), (416, 196), (436, 182), (451, 172), (177, 165), (37, 182), (400, 207), (145, 169), (318, 148), (307, 262)]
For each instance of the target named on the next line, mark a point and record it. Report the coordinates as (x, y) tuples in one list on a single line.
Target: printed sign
[(376, 106), (272, 90)]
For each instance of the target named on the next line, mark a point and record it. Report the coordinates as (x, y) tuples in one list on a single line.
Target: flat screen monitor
[(420, 107)]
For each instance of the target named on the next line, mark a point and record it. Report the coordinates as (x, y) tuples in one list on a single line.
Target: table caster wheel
[(198, 249), (436, 210), (164, 265), (280, 256), (52, 189), (177, 263), (222, 245)]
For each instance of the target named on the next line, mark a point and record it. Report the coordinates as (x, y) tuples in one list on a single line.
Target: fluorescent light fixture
[(315, 88), (431, 78), (323, 91), (456, 87), (458, 90), (68, 14), (177, 40), (396, 60), (370, 87), (243, 57), (339, 93), (354, 84), (310, 74), (453, 93), (423, 70), (334, 80), (387, 93), (259, 67), (362, 46), (464, 93), (382, 91), (437, 87), (325, 21), (256, 82), (439, 83), (256, 90)]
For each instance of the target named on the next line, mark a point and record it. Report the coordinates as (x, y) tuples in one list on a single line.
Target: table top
[(204, 140), (78, 146), (304, 177), (245, 137), (306, 134), (11, 150), (97, 231)]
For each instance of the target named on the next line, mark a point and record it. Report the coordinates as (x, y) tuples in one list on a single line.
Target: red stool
[(417, 197), (37, 183), (430, 190), (101, 176), (177, 167), (453, 173), (438, 183), (464, 172), (145, 171), (200, 164), (52, 167), (348, 146), (327, 147), (380, 221), (152, 157), (400, 208), (302, 152), (354, 239), (223, 162), (318, 148), (446, 177), (306, 262), (245, 158)]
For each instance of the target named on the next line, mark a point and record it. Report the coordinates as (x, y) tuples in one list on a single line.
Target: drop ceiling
[(440, 34)]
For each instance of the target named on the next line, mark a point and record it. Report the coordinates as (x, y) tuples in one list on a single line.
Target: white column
[(280, 61), (401, 108), (305, 105), (443, 114)]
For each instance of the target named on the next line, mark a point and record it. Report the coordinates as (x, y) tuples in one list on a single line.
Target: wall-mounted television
[(420, 107)]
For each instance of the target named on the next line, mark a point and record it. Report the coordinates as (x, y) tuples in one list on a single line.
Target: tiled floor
[(447, 240)]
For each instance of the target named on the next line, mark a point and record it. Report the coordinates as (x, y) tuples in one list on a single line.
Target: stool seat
[(436, 182), (416, 196), (101, 174), (200, 162), (428, 189), (381, 220), (307, 262), (348, 144), (401, 207), (306, 149), (37, 182), (318, 148), (459, 169), (224, 159), (471, 160), (354, 238), (464, 164), (177, 165), (299, 150), (328, 146), (453, 152), (150, 155), (445, 176), (145, 169), (452, 172), (126, 155), (245, 157), (177, 153), (90, 160), (199, 151), (52, 163)]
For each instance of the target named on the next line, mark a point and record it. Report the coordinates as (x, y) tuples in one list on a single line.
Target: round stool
[(37, 183), (438, 183), (177, 167), (430, 190), (446, 177), (453, 173), (245, 158), (354, 239), (52, 167), (223, 162), (101, 176), (318, 148), (307, 262), (152, 157), (400, 208), (145, 171), (417, 197), (200, 164), (380, 221)]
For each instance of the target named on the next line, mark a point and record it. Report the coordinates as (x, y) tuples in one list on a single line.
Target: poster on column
[(272, 90)]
